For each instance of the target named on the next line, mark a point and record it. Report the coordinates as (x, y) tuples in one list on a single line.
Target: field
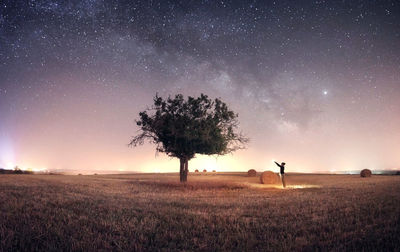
[(150, 212)]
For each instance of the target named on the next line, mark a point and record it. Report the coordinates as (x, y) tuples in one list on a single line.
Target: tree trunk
[(184, 169), (181, 169)]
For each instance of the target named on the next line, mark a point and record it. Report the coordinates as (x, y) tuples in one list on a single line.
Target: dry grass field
[(151, 212)]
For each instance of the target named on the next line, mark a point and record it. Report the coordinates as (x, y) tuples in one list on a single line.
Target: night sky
[(316, 83)]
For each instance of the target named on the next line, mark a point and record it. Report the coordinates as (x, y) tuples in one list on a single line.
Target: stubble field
[(151, 212)]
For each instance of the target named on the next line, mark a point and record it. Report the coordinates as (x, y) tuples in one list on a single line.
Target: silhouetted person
[(282, 172)]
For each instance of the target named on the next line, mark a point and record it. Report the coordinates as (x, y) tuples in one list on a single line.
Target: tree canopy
[(181, 128)]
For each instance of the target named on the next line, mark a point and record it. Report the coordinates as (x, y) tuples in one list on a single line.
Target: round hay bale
[(251, 173), (204, 170), (214, 171), (269, 177), (366, 173), (196, 170)]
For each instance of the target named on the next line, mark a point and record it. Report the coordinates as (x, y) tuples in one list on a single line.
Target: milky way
[(315, 83)]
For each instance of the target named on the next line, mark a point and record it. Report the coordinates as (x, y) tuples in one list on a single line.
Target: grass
[(152, 212)]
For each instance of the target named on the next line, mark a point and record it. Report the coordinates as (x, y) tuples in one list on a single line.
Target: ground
[(214, 211)]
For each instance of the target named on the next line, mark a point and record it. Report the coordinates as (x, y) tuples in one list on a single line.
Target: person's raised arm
[(278, 164)]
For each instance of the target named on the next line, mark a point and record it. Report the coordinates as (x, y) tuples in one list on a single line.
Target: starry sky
[(316, 83)]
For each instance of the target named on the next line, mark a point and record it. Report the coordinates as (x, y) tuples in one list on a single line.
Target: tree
[(17, 170), (181, 128)]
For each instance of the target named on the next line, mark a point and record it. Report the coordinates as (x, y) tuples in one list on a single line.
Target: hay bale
[(251, 173), (269, 177), (214, 171), (366, 173), (204, 170), (196, 170)]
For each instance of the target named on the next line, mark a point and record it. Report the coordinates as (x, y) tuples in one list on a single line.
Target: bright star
[(325, 92)]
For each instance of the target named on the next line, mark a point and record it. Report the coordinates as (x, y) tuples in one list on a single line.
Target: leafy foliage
[(181, 128)]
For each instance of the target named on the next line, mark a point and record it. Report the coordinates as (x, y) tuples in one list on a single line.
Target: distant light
[(325, 92), (43, 169)]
